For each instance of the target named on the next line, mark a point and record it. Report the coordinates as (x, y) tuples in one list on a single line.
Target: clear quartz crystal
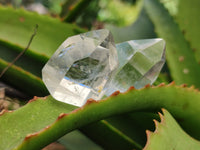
[(81, 68), (140, 62)]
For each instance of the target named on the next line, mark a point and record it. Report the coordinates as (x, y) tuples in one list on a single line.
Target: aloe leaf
[(10, 51), (181, 62), (37, 118), (187, 17), (45, 112), (36, 124), (169, 135), (16, 75), (16, 27)]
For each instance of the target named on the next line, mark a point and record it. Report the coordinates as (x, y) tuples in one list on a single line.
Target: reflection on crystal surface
[(140, 62), (81, 67)]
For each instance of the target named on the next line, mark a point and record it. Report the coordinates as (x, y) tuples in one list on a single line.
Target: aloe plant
[(118, 121)]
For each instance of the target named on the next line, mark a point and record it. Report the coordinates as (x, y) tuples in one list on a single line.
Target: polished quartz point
[(140, 62), (81, 68)]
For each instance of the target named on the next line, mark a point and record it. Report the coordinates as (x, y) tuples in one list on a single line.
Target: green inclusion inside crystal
[(85, 70)]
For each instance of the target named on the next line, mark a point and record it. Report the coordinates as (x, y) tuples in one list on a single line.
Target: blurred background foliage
[(120, 16), (117, 12)]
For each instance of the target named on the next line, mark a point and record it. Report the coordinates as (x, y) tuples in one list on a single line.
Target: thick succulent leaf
[(37, 125), (44, 117), (21, 78), (169, 135), (181, 62), (189, 22), (10, 51), (23, 121), (16, 26)]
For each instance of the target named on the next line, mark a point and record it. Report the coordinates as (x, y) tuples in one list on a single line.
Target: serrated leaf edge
[(92, 101)]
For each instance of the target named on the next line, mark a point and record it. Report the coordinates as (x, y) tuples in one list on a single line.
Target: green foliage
[(122, 118), (181, 60), (44, 125), (187, 18), (170, 134), (16, 75), (110, 12), (17, 26)]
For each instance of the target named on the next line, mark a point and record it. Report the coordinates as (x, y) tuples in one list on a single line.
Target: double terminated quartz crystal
[(86, 66)]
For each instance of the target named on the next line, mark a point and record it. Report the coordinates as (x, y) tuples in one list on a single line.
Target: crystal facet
[(140, 62), (81, 67)]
